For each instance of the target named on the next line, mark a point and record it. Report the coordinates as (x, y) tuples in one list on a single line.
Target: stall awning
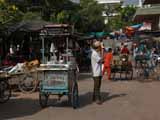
[(27, 26), (82, 36), (33, 25), (98, 34), (137, 26)]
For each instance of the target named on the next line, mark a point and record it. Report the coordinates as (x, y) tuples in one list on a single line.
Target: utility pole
[(140, 3)]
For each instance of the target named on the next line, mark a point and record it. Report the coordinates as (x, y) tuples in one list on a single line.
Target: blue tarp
[(137, 26), (98, 34)]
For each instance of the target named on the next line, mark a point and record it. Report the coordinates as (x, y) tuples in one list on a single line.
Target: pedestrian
[(107, 63), (96, 63), (135, 54)]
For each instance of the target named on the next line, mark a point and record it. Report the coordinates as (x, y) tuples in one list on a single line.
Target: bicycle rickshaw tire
[(43, 99), (9, 95), (23, 80), (131, 74)]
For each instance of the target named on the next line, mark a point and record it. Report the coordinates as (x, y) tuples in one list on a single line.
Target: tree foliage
[(31, 16), (127, 14), (86, 16), (91, 16), (9, 14), (124, 17)]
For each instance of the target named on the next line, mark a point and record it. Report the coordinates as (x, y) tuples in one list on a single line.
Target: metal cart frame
[(58, 78), (58, 81)]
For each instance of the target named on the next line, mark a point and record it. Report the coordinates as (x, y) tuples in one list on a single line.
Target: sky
[(126, 2), (134, 2), (76, 1)]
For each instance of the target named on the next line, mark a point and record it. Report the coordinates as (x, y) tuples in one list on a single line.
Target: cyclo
[(122, 66), (58, 77), (143, 65)]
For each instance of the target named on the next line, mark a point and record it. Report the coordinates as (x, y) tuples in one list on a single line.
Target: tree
[(52, 8), (127, 14), (86, 16), (91, 18), (123, 18), (31, 16), (9, 14)]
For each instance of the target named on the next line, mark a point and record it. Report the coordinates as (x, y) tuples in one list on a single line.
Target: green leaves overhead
[(9, 14), (32, 16), (123, 18), (86, 16), (91, 15)]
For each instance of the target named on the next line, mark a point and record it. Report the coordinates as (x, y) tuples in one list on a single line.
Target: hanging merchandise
[(52, 48), (11, 51)]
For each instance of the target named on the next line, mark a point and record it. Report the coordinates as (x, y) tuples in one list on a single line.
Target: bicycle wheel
[(5, 91), (28, 84)]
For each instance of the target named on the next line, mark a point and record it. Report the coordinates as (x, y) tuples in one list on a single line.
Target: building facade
[(150, 13)]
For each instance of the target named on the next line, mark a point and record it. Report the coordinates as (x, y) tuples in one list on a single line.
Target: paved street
[(122, 100)]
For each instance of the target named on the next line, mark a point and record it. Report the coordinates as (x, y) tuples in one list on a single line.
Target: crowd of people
[(102, 60)]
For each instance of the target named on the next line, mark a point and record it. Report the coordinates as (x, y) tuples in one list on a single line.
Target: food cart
[(58, 76)]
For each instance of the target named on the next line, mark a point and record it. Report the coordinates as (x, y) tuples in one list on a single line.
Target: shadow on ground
[(15, 108), (18, 108), (86, 98), (84, 76)]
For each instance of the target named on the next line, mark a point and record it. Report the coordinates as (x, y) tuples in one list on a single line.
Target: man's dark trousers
[(96, 91)]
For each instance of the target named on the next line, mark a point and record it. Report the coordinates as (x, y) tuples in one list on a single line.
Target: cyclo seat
[(141, 57)]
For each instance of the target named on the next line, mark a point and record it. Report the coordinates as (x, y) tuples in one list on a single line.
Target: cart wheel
[(131, 77), (74, 96), (70, 99), (5, 91), (113, 76), (43, 99), (28, 84)]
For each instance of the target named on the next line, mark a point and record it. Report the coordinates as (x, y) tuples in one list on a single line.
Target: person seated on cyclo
[(143, 53), (148, 58), (147, 54), (125, 52)]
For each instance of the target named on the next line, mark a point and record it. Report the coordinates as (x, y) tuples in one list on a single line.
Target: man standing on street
[(96, 62)]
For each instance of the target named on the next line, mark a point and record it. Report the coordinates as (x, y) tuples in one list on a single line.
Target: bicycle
[(144, 67)]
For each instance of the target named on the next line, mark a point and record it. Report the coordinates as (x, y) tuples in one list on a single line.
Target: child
[(107, 63)]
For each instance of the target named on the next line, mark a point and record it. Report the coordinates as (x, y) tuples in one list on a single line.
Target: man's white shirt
[(96, 64)]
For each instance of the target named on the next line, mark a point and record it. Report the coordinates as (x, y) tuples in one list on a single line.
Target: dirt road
[(122, 100)]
